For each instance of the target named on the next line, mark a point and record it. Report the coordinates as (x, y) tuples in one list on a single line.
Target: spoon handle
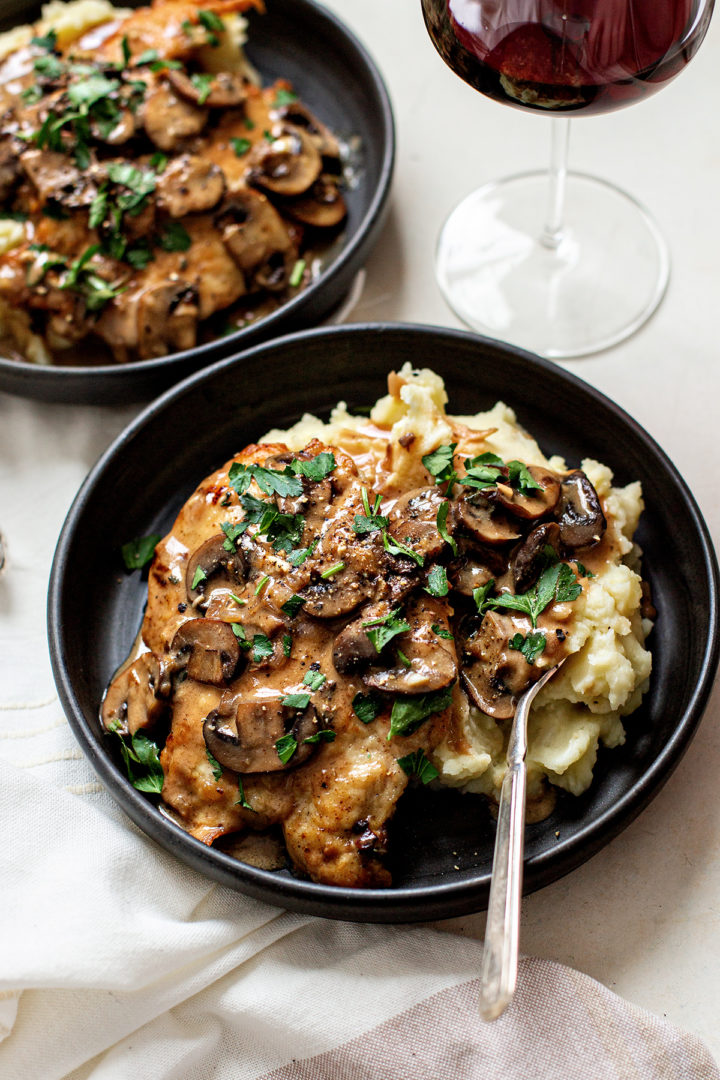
[(502, 931)]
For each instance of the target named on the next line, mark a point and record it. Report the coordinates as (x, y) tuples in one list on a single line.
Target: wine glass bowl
[(576, 265)]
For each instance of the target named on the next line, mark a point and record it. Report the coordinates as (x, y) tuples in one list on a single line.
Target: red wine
[(567, 55)]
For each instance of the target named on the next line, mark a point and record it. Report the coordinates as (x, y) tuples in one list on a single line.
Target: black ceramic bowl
[(441, 841), (336, 77)]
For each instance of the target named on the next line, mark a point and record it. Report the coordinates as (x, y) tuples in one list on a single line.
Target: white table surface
[(642, 916)]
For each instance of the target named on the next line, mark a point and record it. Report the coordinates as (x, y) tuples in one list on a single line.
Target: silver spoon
[(502, 930)]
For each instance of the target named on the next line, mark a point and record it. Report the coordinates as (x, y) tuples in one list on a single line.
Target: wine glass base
[(602, 281)]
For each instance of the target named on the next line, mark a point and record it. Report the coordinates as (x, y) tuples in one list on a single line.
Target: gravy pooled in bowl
[(346, 608)]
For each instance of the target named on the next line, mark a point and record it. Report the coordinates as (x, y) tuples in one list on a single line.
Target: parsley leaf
[(480, 595), (286, 747), (556, 583), (48, 42), (441, 522), (321, 735), (314, 679), (296, 275), (367, 524), (521, 478), (437, 629), (287, 645), (240, 146), (261, 648), (482, 471), (367, 706), (138, 750), (531, 645), (242, 801), (284, 97), (293, 605), (271, 481), (296, 701), (202, 82), (316, 468), (233, 533), (217, 769), (175, 237), (409, 712), (211, 21), (298, 557), (396, 547), (86, 92), (198, 576), (417, 764), (437, 584), (440, 464), (385, 629), (137, 553)]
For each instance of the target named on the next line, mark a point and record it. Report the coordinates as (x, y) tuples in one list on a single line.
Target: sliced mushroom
[(353, 650), (495, 675), (124, 130), (474, 565), (55, 176), (536, 503), (579, 513), (530, 558), (431, 659), (252, 230), (190, 185), (413, 521), (288, 165), (300, 116), (242, 735), (209, 650), (9, 170), (224, 90), (322, 206), (212, 565), (167, 319), (483, 520), (131, 701), (168, 119), (327, 598)]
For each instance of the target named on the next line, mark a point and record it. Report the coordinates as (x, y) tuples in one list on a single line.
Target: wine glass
[(597, 267)]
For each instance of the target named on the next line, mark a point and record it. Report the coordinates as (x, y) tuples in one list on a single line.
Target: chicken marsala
[(314, 633), (157, 195)]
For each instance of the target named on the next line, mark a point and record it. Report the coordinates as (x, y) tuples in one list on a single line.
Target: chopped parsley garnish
[(203, 84), (316, 468), (261, 648), (417, 764), (296, 701), (250, 125), (31, 95), (483, 471), (139, 183), (217, 769), (286, 747), (287, 645), (239, 632), (522, 479), (396, 547), (314, 679), (13, 215), (159, 162), (437, 583), (175, 237), (271, 481), (198, 576), (381, 631), (50, 66), (81, 279), (233, 533), (438, 629), (238, 599), (139, 255), (298, 557), (530, 645), (240, 146), (583, 571), (333, 570), (293, 605), (321, 735), (404, 660), (213, 25), (409, 712), (556, 584), (296, 274), (367, 706), (242, 801), (284, 531), (88, 91), (440, 465), (284, 97), (481, 594), (261, 584), (137, 553), (142, 762), (371, 521), (441, 521), (47, 42)]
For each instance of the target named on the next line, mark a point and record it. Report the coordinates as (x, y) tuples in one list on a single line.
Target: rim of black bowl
[(141, 378), (402, 904)]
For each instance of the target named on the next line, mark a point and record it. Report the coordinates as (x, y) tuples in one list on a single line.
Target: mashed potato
[(608, 670)]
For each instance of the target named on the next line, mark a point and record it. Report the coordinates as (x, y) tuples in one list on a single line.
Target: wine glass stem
[(552, 233)]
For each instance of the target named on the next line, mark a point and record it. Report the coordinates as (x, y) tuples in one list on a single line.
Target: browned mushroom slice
[(288, 165), (9, 169), (131, 701), (496, 674), (427, 661), (486, 522), (474, 565), (413, 521), (242, 735), (223, 90), (167, 319), (322, 206), (252, 230), (54, 176), (190, 185), (168, 119), (327, 598), (124, 130), (579, 513), (529, 558), (353, 650), (212, 565), (300, 116), (536, 503), (209, 650)]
